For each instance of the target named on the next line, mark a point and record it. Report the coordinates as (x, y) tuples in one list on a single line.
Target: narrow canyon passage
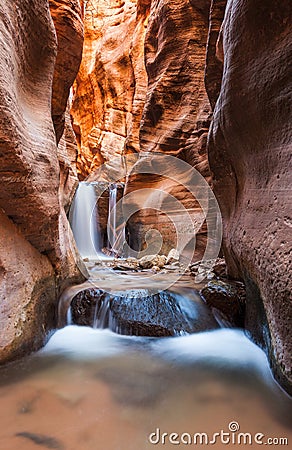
[(145, 224)]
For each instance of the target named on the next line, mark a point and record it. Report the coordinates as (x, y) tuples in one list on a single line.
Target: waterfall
[(116, 223), (83, 220), (112, 217)]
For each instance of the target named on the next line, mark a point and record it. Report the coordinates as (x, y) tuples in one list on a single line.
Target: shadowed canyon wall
[(37, 253), (250, 159)]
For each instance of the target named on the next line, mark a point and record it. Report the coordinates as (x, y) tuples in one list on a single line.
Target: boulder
[(140, 313), (228, 298), (149, 261)]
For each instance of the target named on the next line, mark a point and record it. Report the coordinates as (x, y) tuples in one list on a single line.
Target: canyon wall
[(111, 84), (151, 73), (141, 88), (37, 253), (175, 120), (250, 159)]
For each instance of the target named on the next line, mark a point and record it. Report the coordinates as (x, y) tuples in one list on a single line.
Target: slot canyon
[(160, 132)]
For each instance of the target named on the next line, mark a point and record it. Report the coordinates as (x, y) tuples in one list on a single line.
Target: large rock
[(140, 313), (32, 213), (228, 300), (250, 158), (27, 293)]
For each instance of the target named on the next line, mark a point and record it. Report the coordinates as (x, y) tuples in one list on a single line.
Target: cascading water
[(112, 217), (83, 219), (115, 224), (140, 312)]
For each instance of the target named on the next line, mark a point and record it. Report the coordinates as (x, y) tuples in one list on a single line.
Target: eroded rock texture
[(214, 55), (67, 156), (250, 158), (176, 115), (111, 84), (37, 253), (141, 88), (141, 313), (69, 28), (68, 20)]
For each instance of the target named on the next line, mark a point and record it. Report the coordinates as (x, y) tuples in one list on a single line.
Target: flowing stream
[(92, 389)]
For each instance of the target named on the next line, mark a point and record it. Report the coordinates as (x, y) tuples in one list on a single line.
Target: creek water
[(91, 389)]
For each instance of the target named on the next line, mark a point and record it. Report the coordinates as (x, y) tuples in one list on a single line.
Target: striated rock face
[(214, 55), (141, 88), (176, 103), (67, 19), (176, 114), (67, 156), (111, 84), (250, 158), (37, 253), (27, 293)]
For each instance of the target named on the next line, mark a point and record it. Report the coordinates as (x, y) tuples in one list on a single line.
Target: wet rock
[(139, 313), (219, 268), (228, 298), (84, 306), (149, 261)]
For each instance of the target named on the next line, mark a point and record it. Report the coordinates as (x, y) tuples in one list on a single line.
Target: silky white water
[(91, 389), (112, 217), (115, 223), (83, 220)]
